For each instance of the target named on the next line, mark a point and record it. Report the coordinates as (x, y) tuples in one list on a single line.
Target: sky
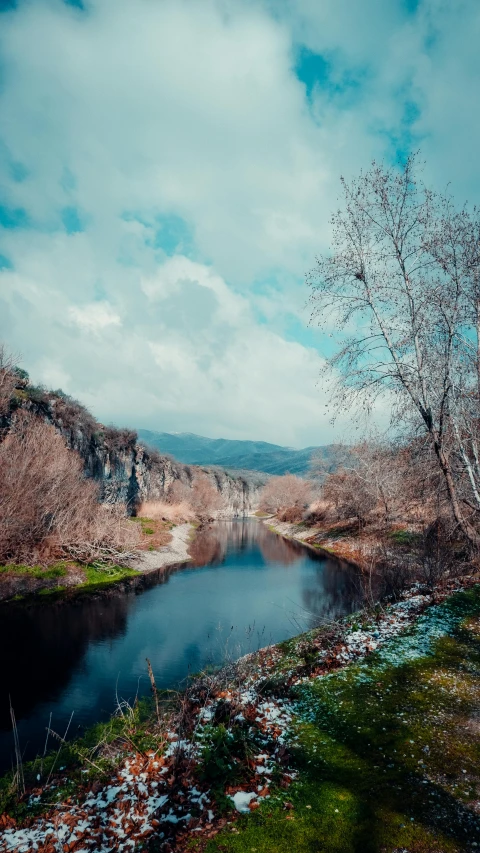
[(168, 169)]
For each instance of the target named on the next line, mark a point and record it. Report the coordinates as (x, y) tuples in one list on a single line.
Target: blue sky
[(167, 173)]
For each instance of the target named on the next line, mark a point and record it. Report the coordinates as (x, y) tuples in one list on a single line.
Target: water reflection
[(245, 588)]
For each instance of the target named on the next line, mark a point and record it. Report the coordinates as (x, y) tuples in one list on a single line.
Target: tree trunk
[(467, 529), (478, 346)]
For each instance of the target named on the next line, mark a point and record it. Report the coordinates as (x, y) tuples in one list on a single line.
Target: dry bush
[(349, 495), (8, 379), (179, 492), (177, 513), (184, 503), (119, 439), (287, 496), (205, 499), (374, 484), (318, 512), (48, 509), (70, 416)]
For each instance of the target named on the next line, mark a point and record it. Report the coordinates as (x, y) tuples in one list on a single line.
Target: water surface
[(245, 588)]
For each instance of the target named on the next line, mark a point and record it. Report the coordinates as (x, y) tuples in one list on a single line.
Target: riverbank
[(343, 540), (357, 735), (163, 545), (175, 551)]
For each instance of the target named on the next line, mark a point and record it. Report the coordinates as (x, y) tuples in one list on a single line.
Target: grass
[(404, 537), (53, 590), (93, 756), (386, 752), (227, 759), (158, 529), (58, 570), (146, 523), (98, 576), (387, 749)]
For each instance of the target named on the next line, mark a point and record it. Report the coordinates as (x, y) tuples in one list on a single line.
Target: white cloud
[(134, 113), (94, 317)]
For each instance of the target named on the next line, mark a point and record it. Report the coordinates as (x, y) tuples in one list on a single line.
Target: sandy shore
[(175, 552), (292, 531)]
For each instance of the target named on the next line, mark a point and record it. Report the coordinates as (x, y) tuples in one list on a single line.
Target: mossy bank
[(360, 736)]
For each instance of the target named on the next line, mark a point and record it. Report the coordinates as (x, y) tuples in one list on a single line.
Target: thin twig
[(154, 687), (60, 748)]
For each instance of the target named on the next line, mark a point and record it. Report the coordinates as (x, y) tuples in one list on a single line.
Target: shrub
[(350, 494), (205, 499), (48, 509), (287, 496), (177, 513), (179, 493), (118, 439), (8, 380)]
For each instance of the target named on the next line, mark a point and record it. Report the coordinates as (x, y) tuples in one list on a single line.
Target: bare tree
[(401, 287), (205, 499), (179, 492), (349, 495), (370, 479), (286, 495), (7, 379)]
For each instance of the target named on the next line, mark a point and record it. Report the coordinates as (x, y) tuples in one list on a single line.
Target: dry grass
[(177, 513)]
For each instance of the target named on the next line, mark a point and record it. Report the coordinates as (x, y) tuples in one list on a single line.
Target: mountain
[(245, 455)]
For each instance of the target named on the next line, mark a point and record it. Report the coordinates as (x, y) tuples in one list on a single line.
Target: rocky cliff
[(127, 471)]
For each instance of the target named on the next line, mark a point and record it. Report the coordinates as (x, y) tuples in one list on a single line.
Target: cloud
[(168, 170), (94, 317), (193, 358)]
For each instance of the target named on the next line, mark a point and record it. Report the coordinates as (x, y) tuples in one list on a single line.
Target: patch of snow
[(242, 800)]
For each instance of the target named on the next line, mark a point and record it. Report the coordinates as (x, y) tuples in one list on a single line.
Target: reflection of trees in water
[(209, 546), (330, 593), (43, 646), (212, 542), (327, 594), (275, 549), (49, 642)]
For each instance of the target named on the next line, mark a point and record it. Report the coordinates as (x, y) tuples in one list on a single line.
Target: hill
[(194, 449)]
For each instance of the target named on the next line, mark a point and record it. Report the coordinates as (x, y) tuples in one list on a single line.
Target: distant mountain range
[(244, 455)]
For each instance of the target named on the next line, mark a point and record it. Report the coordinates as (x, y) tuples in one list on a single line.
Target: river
[(245, 588)]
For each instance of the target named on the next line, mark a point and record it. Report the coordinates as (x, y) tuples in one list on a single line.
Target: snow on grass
[(145, 798)]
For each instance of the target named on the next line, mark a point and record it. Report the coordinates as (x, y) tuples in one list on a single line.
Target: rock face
[(127, 471)]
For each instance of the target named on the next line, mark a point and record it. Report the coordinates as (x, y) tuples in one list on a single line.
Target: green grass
[(404, 537), (146, 524), (97, 576), (386, 753), (52, 590), (58, 570), (387, 749)]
